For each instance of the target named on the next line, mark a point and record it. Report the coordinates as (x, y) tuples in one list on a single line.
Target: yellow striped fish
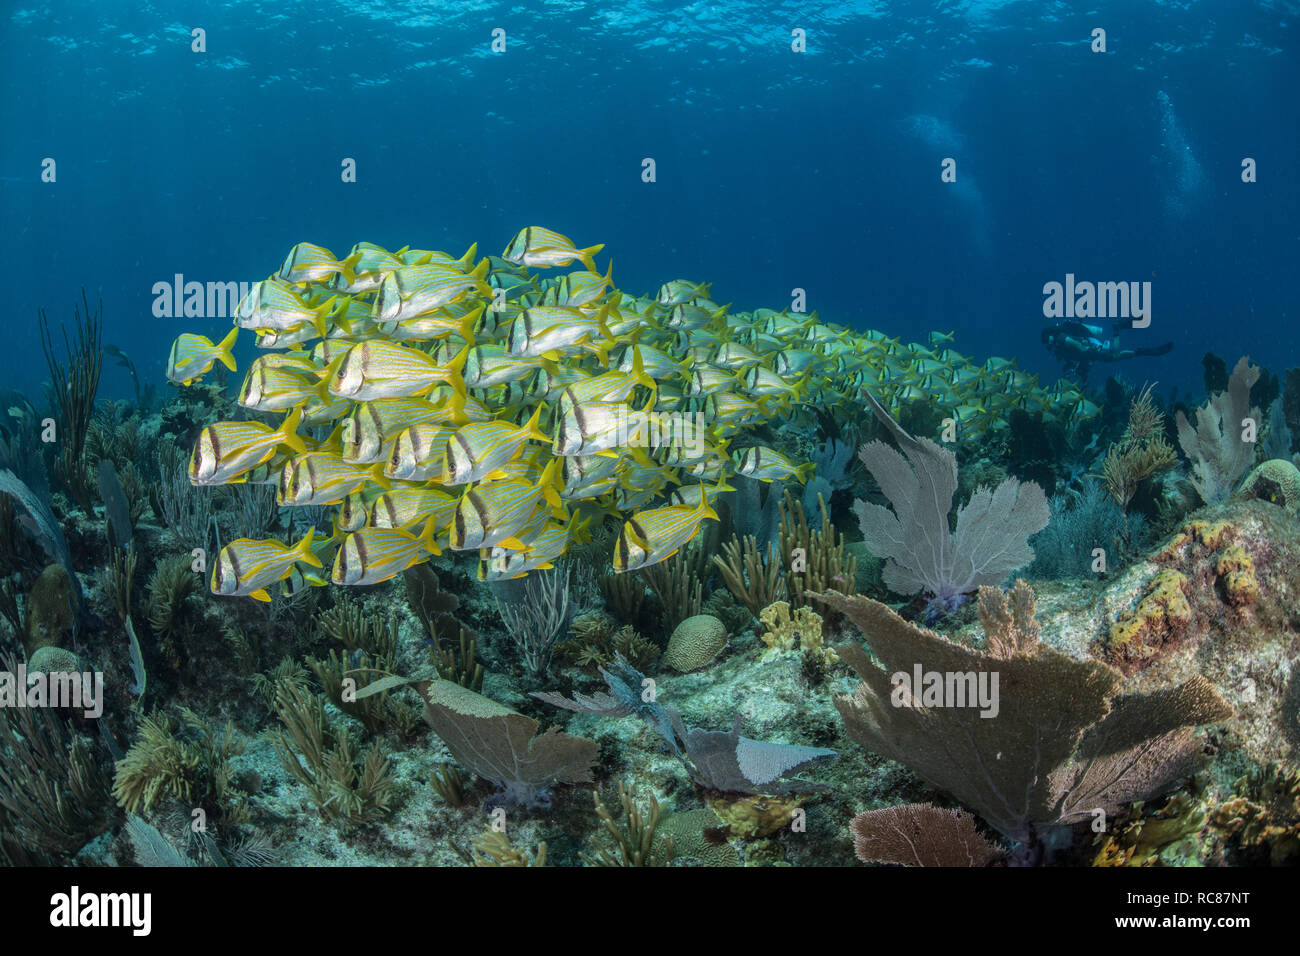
[(379, 369), (402, 507), (321, 478), (368, 433), (656, 535), (497, 511), (544, 546), (553, 331), (371, 262), (276, 389), (192, 355), (246, 568), (679, 291), (417, 290), (272, 305), (478, 450), (542, 248), (419, 453), (768, 464), (308, 262), (372, 555), (583, 288), (225, 451)]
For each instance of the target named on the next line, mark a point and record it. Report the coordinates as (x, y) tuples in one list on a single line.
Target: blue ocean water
[(775, 169)]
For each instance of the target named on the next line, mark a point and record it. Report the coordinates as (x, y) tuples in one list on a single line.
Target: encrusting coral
[(1161, 617)]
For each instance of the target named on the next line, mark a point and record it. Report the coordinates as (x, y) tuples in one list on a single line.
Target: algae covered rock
[(695, 643), (50, 615)]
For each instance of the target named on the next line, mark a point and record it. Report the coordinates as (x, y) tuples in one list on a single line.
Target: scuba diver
[(1077, 346)]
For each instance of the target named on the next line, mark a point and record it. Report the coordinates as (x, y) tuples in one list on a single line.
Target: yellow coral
[(1163, 613), (1236, 571), (1212, 534), (802, 631), (1171, 832), (753, 817)]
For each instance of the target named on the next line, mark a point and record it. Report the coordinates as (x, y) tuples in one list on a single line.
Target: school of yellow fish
[(440, 402)]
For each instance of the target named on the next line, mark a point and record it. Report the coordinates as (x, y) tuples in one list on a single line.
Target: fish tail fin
[(380, 477), (638, 372), (304, 551), (609, 274), (552, 484), (348, 267), (471, 320), (469, 255), (533, 427), (428, 541), (805, 471), (480, 270), (289, 432), (706, 509), (320, 316), (585, 256), (225, 349)]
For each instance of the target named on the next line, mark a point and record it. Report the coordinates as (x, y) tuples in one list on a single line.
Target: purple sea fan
[(993, 528)]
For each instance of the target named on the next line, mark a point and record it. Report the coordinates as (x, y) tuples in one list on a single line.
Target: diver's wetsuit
[(1078, 345)]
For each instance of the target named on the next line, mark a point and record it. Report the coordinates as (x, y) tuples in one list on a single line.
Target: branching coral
[(814, 560), (636, 842), (756, 578)]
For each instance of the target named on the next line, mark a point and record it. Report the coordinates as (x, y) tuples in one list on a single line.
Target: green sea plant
[(1141, 454), (369, 652), (493, 848), (458, 662), (814, 560), (53, 787), (173, 583), (73, 387), (346, 784), (448, 785), (678, 584), (186, 759)]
